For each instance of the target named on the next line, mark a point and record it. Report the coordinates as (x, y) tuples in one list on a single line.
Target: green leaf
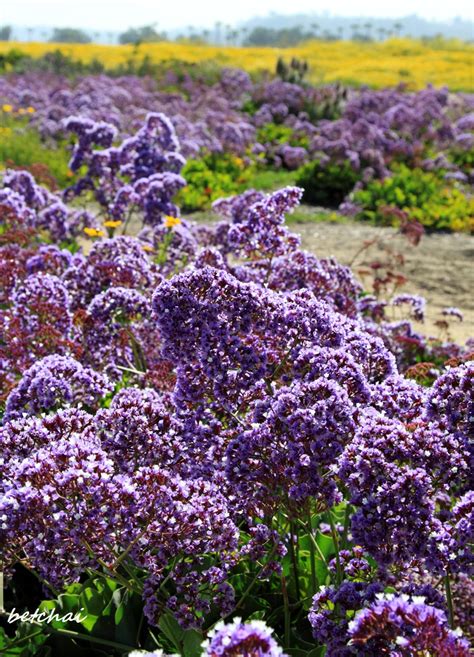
[(172, 630), (192, 643), (93, 601), (316, 652)]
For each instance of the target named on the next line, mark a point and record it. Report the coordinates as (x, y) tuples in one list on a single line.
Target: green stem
[(250, 586), (312, 551), (449, 599), (286, 604), (93, 639), (17, 642), (347, 518), (335, 539), (294, 561)]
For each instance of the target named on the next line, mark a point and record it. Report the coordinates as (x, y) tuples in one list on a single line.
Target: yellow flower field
[(448, 63)]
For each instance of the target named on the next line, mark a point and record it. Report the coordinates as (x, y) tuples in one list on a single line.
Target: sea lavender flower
[(238, 639), (110, 329), (261, 231), (42, 299), (53, 382), (405, 627), (328, 615), (451, 399), (416, 303), (116, 262), (453, 312), (139, 428), (296, 435)]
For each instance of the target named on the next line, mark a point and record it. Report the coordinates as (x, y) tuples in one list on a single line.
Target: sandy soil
[(440, 268)]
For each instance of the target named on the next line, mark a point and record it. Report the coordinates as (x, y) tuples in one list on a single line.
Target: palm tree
[(397, 28), (217, 27)]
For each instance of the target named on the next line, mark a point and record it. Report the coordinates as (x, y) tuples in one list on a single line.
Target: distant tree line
[(5, 33), (274, 31), (221, 35)]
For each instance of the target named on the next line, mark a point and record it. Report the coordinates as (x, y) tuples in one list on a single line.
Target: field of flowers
[(214, 443), (375, 64)]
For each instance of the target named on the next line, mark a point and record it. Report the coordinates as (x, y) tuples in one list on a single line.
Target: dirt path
[(440, 268)]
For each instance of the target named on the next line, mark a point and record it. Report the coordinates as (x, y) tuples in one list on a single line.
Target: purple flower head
[(405, 627), (416, 303), (451, 399), (237, 639), (53, 382)]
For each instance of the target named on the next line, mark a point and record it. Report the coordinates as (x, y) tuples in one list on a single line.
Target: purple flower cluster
[(38, 208), (141, 173), (210, 409), (405, 627), (237, 639)]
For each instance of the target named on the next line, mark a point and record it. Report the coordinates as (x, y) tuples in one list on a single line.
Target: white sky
[(168, 14)]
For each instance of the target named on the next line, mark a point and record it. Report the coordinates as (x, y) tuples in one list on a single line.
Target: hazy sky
[(169, 14)]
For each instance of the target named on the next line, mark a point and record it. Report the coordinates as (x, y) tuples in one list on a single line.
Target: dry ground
[(440, 268)]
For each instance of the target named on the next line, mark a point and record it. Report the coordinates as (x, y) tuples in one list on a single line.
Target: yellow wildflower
[(147, 247), (172, 221), (30, 110), (112, 224), (93, 232), (21, 111), (7, 108)]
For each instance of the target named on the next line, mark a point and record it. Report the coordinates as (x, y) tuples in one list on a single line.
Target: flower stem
[(449, 599), (286, 605), (335, 539)]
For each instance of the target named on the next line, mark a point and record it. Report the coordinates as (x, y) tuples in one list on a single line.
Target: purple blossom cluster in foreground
[(221, 421)]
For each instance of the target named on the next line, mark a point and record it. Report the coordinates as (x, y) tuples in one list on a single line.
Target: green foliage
[(11, 58), (463, 159), (5, 33), (281, 134), (69, 35), (145, 34), (285, 37), (210, 178), (269, 180), (22, 147), (326, 185), (421, 195), (293, 72)]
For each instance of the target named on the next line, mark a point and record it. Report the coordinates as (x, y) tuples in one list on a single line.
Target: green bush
[(21, 146), (210, 178), (326, 185), (421, 195), (275, 133)]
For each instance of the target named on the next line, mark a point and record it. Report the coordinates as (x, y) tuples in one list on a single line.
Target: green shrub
[(210, 178), (21, 146), (421, 195), (274, 133), (326, 185)]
